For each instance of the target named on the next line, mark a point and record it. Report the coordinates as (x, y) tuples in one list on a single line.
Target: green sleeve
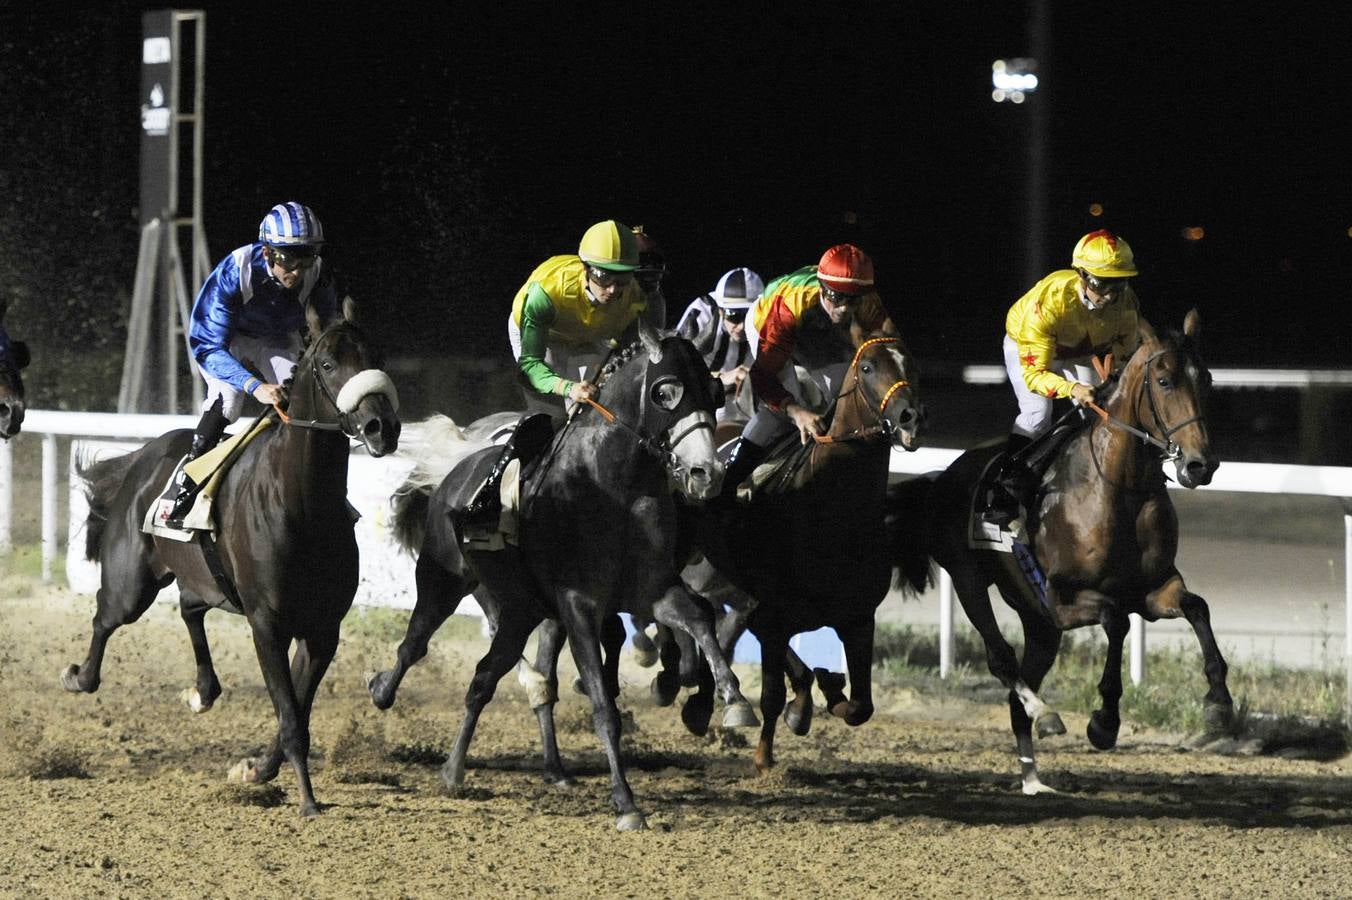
[(537, 315)]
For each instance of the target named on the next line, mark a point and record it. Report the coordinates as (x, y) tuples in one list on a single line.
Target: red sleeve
[(774, 351)]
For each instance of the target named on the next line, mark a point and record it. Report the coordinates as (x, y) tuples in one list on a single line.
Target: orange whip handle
[(607, 414)]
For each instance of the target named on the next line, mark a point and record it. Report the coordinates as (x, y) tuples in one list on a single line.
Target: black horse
[(13, 357), (284, 537), (1104, 534), (597, 529), (811, 547)]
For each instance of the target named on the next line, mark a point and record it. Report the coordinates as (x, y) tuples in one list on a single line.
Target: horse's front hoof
[(1102, 730), (740, 715), (378, 684), (798, 717), (646, 657), (309, 809), (560, 780), (453, 776), (664, 692), (245, 771), (1032, 786), (696, 713), (70, 679), (633, 821), (855, 713), (1219, 718), (1048, 724)]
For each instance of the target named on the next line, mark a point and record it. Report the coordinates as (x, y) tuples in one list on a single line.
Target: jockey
[(652, 268), (570, 312), (1051, 335), (805, 316), (251, 311), (716, 324)]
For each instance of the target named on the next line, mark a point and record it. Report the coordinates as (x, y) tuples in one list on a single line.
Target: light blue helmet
[(291, 224)]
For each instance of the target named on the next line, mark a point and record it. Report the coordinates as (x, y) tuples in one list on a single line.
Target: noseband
[(883, 427), (317, 383)]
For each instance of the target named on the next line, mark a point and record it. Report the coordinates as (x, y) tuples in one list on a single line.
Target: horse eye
[(667, 394), (327, 365), (1163, 382), (866, 368)]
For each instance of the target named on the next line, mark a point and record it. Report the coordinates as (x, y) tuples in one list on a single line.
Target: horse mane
[(101, 479)]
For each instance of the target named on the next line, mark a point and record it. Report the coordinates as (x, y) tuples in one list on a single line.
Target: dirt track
[(123, 793)]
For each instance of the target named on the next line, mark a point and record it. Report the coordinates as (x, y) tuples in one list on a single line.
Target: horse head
[(1164, 389), (880, 390), (338, 381), (672, 410), (13, 357)]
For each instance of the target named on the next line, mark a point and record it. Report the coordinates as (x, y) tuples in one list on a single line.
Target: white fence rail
[(386, 578)]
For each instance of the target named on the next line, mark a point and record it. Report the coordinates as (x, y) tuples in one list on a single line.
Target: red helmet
[(846, 269)]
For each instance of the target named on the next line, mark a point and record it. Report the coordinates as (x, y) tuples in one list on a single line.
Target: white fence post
[(1136, 633), (945, 623), (6, 496), (48, 504), (1347, 604)]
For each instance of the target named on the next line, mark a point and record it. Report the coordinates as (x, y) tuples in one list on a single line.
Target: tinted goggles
[(838, 298), (606, 278), (293, 258), (1104, 287), (734, 316)]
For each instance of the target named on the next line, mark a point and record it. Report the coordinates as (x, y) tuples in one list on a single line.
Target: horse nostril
[(908, 416)]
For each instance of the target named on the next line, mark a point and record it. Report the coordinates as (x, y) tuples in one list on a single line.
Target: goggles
[(1104, 287), (606, 278), (838, 298), (293, 258), (734, 316)]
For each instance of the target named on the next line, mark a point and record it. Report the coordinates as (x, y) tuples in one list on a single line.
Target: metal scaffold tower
[(173, 62)]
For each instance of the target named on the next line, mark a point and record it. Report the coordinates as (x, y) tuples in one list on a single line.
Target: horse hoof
[(696, 715), (633, 821), (70, 679), (855, 714), (579, 687), (740, 715), (194, 700), (1102, 731), (309, 809), (1032, 786), (454, 778), (560, 781), (245, 771), (377, 684), (1049, 724), (646, 657), (662, 696), (1219, 718), (798, 718)]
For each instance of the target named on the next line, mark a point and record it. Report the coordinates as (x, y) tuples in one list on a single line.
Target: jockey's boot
[(207, 435), (742, 461), (531, 436), (1007, 491)]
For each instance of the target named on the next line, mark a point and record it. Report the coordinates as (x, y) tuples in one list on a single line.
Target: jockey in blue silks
[(251, 310)]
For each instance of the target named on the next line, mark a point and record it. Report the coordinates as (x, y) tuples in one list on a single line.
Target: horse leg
[(645, 651), (858, 640), (1105, 721), (118, 604), (666, 684), (693, 615), (583, 639), (514, 629), (1174, 599), (798, 712), (1041, 641), (542, 690), (439, 594), (207, 688), (774, 647), (293, 738), (731, 626)]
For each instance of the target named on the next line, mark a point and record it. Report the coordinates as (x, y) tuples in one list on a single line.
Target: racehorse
[(596, 535), (810, 547), (13, 357), (1104, 534), (285, 551)]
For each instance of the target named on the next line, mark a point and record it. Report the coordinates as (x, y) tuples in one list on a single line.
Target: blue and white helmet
[(291, 224)]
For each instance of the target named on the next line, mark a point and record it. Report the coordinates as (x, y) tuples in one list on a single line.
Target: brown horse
[(1104, 535), (810, 547), (285, 545), (13, 357)]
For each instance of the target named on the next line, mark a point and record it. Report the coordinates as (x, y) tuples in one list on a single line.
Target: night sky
[(451, 147)]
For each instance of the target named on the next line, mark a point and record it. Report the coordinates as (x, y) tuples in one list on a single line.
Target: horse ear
[(1145, 330), (651, 341), (313, 322), (350, 309), (1192, 324)]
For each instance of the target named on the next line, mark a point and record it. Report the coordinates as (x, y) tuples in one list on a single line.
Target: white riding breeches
[(1035, 410), (273, 358)]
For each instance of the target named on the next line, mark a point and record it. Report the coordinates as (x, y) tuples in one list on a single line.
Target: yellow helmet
[(1104, 255), (611, 246)]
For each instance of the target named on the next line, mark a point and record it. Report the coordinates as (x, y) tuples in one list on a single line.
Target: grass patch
[(1171, 699)]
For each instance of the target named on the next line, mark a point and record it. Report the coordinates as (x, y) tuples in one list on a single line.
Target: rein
[(1166, 446), (871, 431)]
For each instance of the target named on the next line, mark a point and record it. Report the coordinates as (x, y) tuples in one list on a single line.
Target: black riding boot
[(529, 439), (1007, 490), (742, 461), (207, 435)]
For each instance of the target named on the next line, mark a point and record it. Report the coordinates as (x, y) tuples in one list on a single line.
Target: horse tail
[(908, 512), (434, 445), (409, 521), (101, 478)]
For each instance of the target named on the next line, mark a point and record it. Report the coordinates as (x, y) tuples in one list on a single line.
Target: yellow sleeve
[(1032, 324)]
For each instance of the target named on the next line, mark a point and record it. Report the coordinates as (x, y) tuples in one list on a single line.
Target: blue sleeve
[(212, 328)]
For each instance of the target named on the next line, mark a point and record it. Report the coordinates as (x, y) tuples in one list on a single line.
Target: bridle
[(883, 426), (319, 386), (1169, 450), (663, 447)]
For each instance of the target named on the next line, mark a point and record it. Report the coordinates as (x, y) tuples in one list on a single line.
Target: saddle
[(207, 470)]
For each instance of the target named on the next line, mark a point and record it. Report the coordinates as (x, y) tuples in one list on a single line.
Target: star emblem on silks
[(1051, 392), (1028, 359)]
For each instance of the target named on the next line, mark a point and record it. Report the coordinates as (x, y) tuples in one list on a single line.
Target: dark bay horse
[(597, 530), (810, 547), (1104, 534), (284, 536), (13, 357)]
